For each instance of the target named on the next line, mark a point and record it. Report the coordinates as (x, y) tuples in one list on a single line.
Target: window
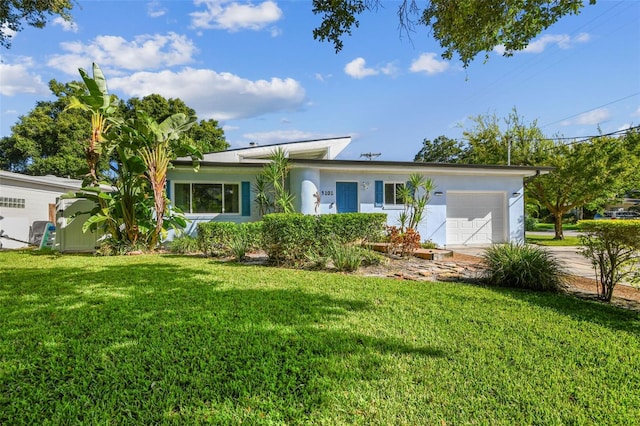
[(392, 193), (14, 203), (207, 197)]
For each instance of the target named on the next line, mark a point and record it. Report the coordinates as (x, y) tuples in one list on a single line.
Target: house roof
[(320, 149), (431, 168), (48, 181), (321, 154)]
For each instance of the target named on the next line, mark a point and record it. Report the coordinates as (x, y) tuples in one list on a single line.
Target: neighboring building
[(25, 199), (471, 205)]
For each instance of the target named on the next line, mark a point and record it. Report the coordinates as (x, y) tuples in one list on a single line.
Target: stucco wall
[(305, 182)]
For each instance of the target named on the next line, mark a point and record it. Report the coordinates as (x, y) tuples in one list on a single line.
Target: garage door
[(475, 218)]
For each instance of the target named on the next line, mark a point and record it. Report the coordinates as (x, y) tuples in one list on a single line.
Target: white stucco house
[(471, 205)]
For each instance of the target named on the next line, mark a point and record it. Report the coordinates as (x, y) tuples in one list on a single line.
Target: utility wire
[(592, 109)]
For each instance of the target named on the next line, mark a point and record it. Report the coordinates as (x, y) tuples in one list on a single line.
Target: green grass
[(547, 240), (551, 227), (185, 340)]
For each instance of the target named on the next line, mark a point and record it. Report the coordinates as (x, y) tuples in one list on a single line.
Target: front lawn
[(186, 340), (551, 227), (547, 240)]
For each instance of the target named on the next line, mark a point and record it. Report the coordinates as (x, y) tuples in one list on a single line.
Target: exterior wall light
[(438, 193)]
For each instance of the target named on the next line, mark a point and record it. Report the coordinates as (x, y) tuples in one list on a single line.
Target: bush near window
[(290, 237), (613, 246), (223, 238), (523, 266)]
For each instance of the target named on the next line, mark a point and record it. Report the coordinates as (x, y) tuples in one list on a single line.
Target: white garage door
[(475, 218)]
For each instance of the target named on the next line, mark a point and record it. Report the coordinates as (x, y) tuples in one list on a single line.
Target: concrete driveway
[(575, 263)]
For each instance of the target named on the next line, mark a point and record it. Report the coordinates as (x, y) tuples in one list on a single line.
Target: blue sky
[(256, 68)]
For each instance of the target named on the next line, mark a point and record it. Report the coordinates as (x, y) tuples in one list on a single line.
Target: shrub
[(428, 244), (613, 246), (252, 233), (239, 246), (214, 237), (184, 244), (530, 223), (403, 243), (288, 237), (523, 266), (352, 227), (292, 237)]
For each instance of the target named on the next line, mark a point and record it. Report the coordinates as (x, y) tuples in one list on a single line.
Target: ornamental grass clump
[(345, 258), (523, 266)]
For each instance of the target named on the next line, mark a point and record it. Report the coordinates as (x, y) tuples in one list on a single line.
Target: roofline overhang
[(360, 166)]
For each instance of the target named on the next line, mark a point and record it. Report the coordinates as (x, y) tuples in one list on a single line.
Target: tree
[(206, 135), (462, 27), (441, 150), (520, 143), (34, 12), (48, 140), (584, 172)]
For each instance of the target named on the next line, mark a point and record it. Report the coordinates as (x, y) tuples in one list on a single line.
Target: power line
[(592, 109), (576, 140)]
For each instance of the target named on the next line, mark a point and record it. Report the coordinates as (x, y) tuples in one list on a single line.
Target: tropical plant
[(523, 266), (271, 187), (102, 106), (345, 257), (415, 195), (156, 144)]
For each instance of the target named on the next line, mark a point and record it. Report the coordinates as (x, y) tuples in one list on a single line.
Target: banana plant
[(156, 144), (102, 107)]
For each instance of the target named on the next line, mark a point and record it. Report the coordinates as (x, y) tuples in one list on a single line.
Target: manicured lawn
[(551, 227), (185, 340), (547, 240)]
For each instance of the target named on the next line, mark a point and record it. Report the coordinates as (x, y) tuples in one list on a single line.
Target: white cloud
[(323, 78), (232, 16), (636, 113), (358, 69), (222, 96), (155, 10), (68, 26), (427, 63), (8, 33), (624, 127), (563, 41), (597, 116), (19, 78), (143, 52)]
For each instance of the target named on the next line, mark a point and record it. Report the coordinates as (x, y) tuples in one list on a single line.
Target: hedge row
[(216, 238), (291, 237)]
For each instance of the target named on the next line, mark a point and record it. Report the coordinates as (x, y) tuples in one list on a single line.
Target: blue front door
[(347, 197)]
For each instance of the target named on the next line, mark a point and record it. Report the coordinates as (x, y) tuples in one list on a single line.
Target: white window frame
[(395, 204)]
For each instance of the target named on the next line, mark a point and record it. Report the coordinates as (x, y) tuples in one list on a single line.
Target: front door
[(347, 197)]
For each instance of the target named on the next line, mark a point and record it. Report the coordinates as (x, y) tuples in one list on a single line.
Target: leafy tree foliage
[(13, 13), (519, 143), (206, 135), (441, 150), (584, 173), (51, 138), (48, 140), (462, 27)]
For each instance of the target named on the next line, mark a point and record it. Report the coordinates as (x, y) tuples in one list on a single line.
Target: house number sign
[(326, 193)]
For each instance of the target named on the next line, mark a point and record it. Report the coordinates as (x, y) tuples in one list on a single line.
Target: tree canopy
[(13, 13), (50, 138), (462, 27)]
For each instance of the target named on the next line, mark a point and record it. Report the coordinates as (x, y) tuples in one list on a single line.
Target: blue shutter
[(168, 187), (379, 194), (246, 199)]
